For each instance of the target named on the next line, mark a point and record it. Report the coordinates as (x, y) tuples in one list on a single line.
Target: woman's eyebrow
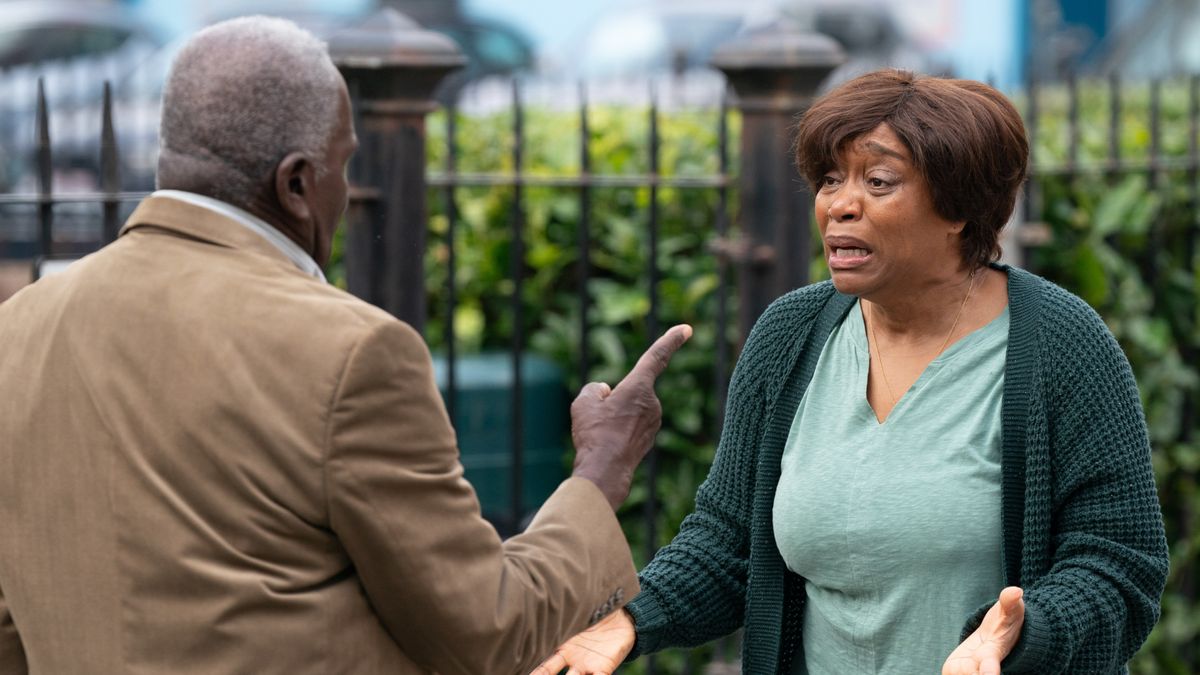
[(881, 149)]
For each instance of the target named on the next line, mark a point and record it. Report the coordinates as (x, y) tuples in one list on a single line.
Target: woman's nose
[(846, 207)]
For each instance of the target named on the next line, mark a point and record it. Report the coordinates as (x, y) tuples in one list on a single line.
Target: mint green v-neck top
[(1081, 523), (894, 526)]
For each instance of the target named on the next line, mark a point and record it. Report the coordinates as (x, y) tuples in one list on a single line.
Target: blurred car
[(666, 37), (74, 88), (72, 48), (679, 37), (868, 31), (491, 47), (55, 30)]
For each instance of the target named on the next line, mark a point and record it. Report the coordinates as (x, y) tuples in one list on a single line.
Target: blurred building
[(1151, 38), (1135, 38)]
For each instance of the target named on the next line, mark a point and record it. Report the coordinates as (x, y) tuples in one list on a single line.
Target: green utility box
[(483, 416)]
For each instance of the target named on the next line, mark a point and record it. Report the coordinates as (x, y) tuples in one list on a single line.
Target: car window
[(501, 49), (697, 36), (54, 42)]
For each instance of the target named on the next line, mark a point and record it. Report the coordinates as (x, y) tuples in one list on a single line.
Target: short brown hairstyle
[(965, 138)]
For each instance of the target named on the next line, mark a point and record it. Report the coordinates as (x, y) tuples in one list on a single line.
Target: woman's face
[(877, 222)]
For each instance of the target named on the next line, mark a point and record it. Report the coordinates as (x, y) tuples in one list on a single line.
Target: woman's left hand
[(983, 650)]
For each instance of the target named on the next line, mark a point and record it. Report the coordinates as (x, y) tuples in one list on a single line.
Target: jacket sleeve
[(12, 653), (454, 596), (1099, 600), (694, 590)]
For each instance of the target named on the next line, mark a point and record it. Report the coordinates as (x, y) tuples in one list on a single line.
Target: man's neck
[(297, 254)]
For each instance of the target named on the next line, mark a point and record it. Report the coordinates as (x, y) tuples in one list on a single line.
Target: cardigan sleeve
[(694, 590), (1099, 599)]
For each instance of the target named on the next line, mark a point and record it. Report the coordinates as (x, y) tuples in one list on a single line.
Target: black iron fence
[(1113, 213), (1146, 133), (449, 180)]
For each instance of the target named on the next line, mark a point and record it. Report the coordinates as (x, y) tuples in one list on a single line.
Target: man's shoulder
[(263, 299), (337, 307), (332, 318)]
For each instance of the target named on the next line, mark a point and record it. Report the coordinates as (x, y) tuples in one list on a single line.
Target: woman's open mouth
[(842, 258)]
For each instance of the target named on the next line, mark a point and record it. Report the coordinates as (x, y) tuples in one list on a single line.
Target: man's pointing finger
[(655, 360)]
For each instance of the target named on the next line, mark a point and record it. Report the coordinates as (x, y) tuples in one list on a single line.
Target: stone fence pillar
[(775, 74), (392, 67)]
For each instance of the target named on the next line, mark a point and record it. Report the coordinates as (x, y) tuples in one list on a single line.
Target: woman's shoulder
[(790, 316), (781, 331), (799, 305), (1065, 325), (1056, 311)]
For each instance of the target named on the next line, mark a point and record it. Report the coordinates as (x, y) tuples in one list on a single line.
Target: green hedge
[(619, 264), (1126, 243), (1117, 242)]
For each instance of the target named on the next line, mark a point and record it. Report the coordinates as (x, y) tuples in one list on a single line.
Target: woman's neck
[(920, 312)]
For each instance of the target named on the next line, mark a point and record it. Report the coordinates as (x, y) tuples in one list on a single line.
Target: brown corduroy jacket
[(211, 462)]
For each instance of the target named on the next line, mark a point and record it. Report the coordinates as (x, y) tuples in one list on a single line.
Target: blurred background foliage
[(618, 288), (1123, 238), (1125, 241)]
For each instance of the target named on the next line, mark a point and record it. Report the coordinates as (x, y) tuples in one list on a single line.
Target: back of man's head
[(241, 95)]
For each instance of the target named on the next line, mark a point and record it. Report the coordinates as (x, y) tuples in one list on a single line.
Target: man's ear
[(295, 177)]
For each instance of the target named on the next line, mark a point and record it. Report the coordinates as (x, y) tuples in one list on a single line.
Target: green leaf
[(618, 304), (1114, 211), (1090, 276)]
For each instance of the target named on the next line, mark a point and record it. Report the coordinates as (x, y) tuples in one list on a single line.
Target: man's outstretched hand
[(614, 428)]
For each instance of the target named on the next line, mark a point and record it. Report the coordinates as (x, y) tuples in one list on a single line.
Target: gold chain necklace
[(879, 354)]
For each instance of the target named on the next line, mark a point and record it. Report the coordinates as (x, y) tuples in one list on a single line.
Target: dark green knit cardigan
[(1083, 531)]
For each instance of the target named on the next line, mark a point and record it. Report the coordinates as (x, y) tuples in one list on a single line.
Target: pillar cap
[(389, 38), (779, 46)]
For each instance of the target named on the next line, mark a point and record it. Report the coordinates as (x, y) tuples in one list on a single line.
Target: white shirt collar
[(251, 222)]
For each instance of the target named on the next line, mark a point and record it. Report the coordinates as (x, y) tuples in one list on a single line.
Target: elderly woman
[(933, 461)]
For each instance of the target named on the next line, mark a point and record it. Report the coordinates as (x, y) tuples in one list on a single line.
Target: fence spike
[(517, 262), (110, 177), (584, 235), (45, 172)]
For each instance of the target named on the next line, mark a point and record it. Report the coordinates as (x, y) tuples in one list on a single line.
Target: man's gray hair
[(241, 95)]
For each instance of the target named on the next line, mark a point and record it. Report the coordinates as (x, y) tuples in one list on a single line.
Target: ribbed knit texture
[(1083, 531)]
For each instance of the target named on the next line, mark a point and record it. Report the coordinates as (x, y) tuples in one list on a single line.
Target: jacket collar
[(183, 218)]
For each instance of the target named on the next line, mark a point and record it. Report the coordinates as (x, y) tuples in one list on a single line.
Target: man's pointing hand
[(614, 428)]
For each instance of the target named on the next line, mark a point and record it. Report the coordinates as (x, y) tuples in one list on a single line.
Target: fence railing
[(582, 184)]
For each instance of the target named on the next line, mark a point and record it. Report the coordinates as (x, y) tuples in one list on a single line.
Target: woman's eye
[(877, 182), (827, 181)]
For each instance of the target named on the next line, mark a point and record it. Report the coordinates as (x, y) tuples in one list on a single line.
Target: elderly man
[(213, 462)]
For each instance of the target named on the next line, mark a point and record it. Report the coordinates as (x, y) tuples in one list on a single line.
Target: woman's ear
[(294, 181)]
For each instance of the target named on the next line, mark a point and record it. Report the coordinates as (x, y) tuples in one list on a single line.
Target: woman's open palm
[(596, 651), (983, 650)]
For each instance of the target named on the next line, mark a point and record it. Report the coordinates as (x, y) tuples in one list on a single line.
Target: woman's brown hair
[(965, 138)]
